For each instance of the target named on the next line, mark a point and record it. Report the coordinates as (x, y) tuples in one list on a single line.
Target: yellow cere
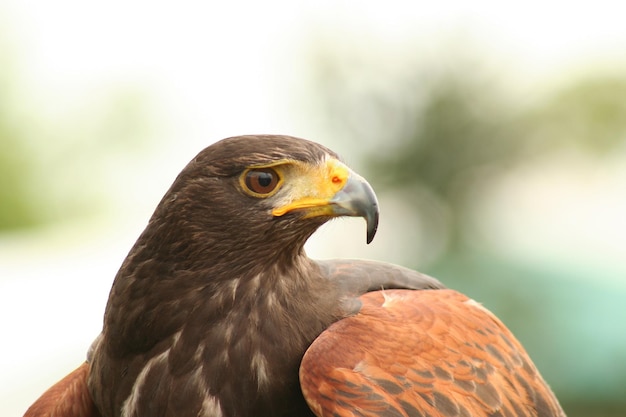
[(315, 187)]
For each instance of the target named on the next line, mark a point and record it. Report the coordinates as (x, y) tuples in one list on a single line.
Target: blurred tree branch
[(441, 132)]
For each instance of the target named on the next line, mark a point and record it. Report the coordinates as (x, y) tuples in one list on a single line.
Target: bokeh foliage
[(16, 210), (54, 156)]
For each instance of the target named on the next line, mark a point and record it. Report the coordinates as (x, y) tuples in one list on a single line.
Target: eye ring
[(261, 182)]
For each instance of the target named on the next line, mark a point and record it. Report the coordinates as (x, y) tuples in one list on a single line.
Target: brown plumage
[(216, 304), (440, 355), (67, 398)]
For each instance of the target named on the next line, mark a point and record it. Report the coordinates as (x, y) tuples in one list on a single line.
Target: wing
[(67, 398), (422, 354), (355, 277)]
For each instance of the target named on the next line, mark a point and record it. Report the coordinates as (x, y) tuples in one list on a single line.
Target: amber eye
[(261, 180)]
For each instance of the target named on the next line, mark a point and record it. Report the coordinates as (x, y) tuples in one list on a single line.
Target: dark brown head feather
[(230, 156)]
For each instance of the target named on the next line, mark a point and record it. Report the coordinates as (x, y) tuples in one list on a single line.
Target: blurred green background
[(494, 136)]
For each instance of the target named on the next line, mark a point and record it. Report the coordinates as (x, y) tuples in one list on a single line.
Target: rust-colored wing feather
[(422, 354), (67, 398)]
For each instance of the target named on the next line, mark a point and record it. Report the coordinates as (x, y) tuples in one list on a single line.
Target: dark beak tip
[(372, 226)]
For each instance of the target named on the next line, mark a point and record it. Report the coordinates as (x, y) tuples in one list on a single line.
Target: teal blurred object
[(572, 324)]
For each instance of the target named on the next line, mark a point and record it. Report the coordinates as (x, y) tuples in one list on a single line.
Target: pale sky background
[(222, 69)]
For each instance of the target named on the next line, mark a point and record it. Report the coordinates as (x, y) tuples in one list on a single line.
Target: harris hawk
[(217, 311)]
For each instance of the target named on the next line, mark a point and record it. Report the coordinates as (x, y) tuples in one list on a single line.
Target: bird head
[(242, 208), (243, 192)]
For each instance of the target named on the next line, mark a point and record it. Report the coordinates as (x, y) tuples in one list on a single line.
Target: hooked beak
[(357, 199), (337, 191)]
